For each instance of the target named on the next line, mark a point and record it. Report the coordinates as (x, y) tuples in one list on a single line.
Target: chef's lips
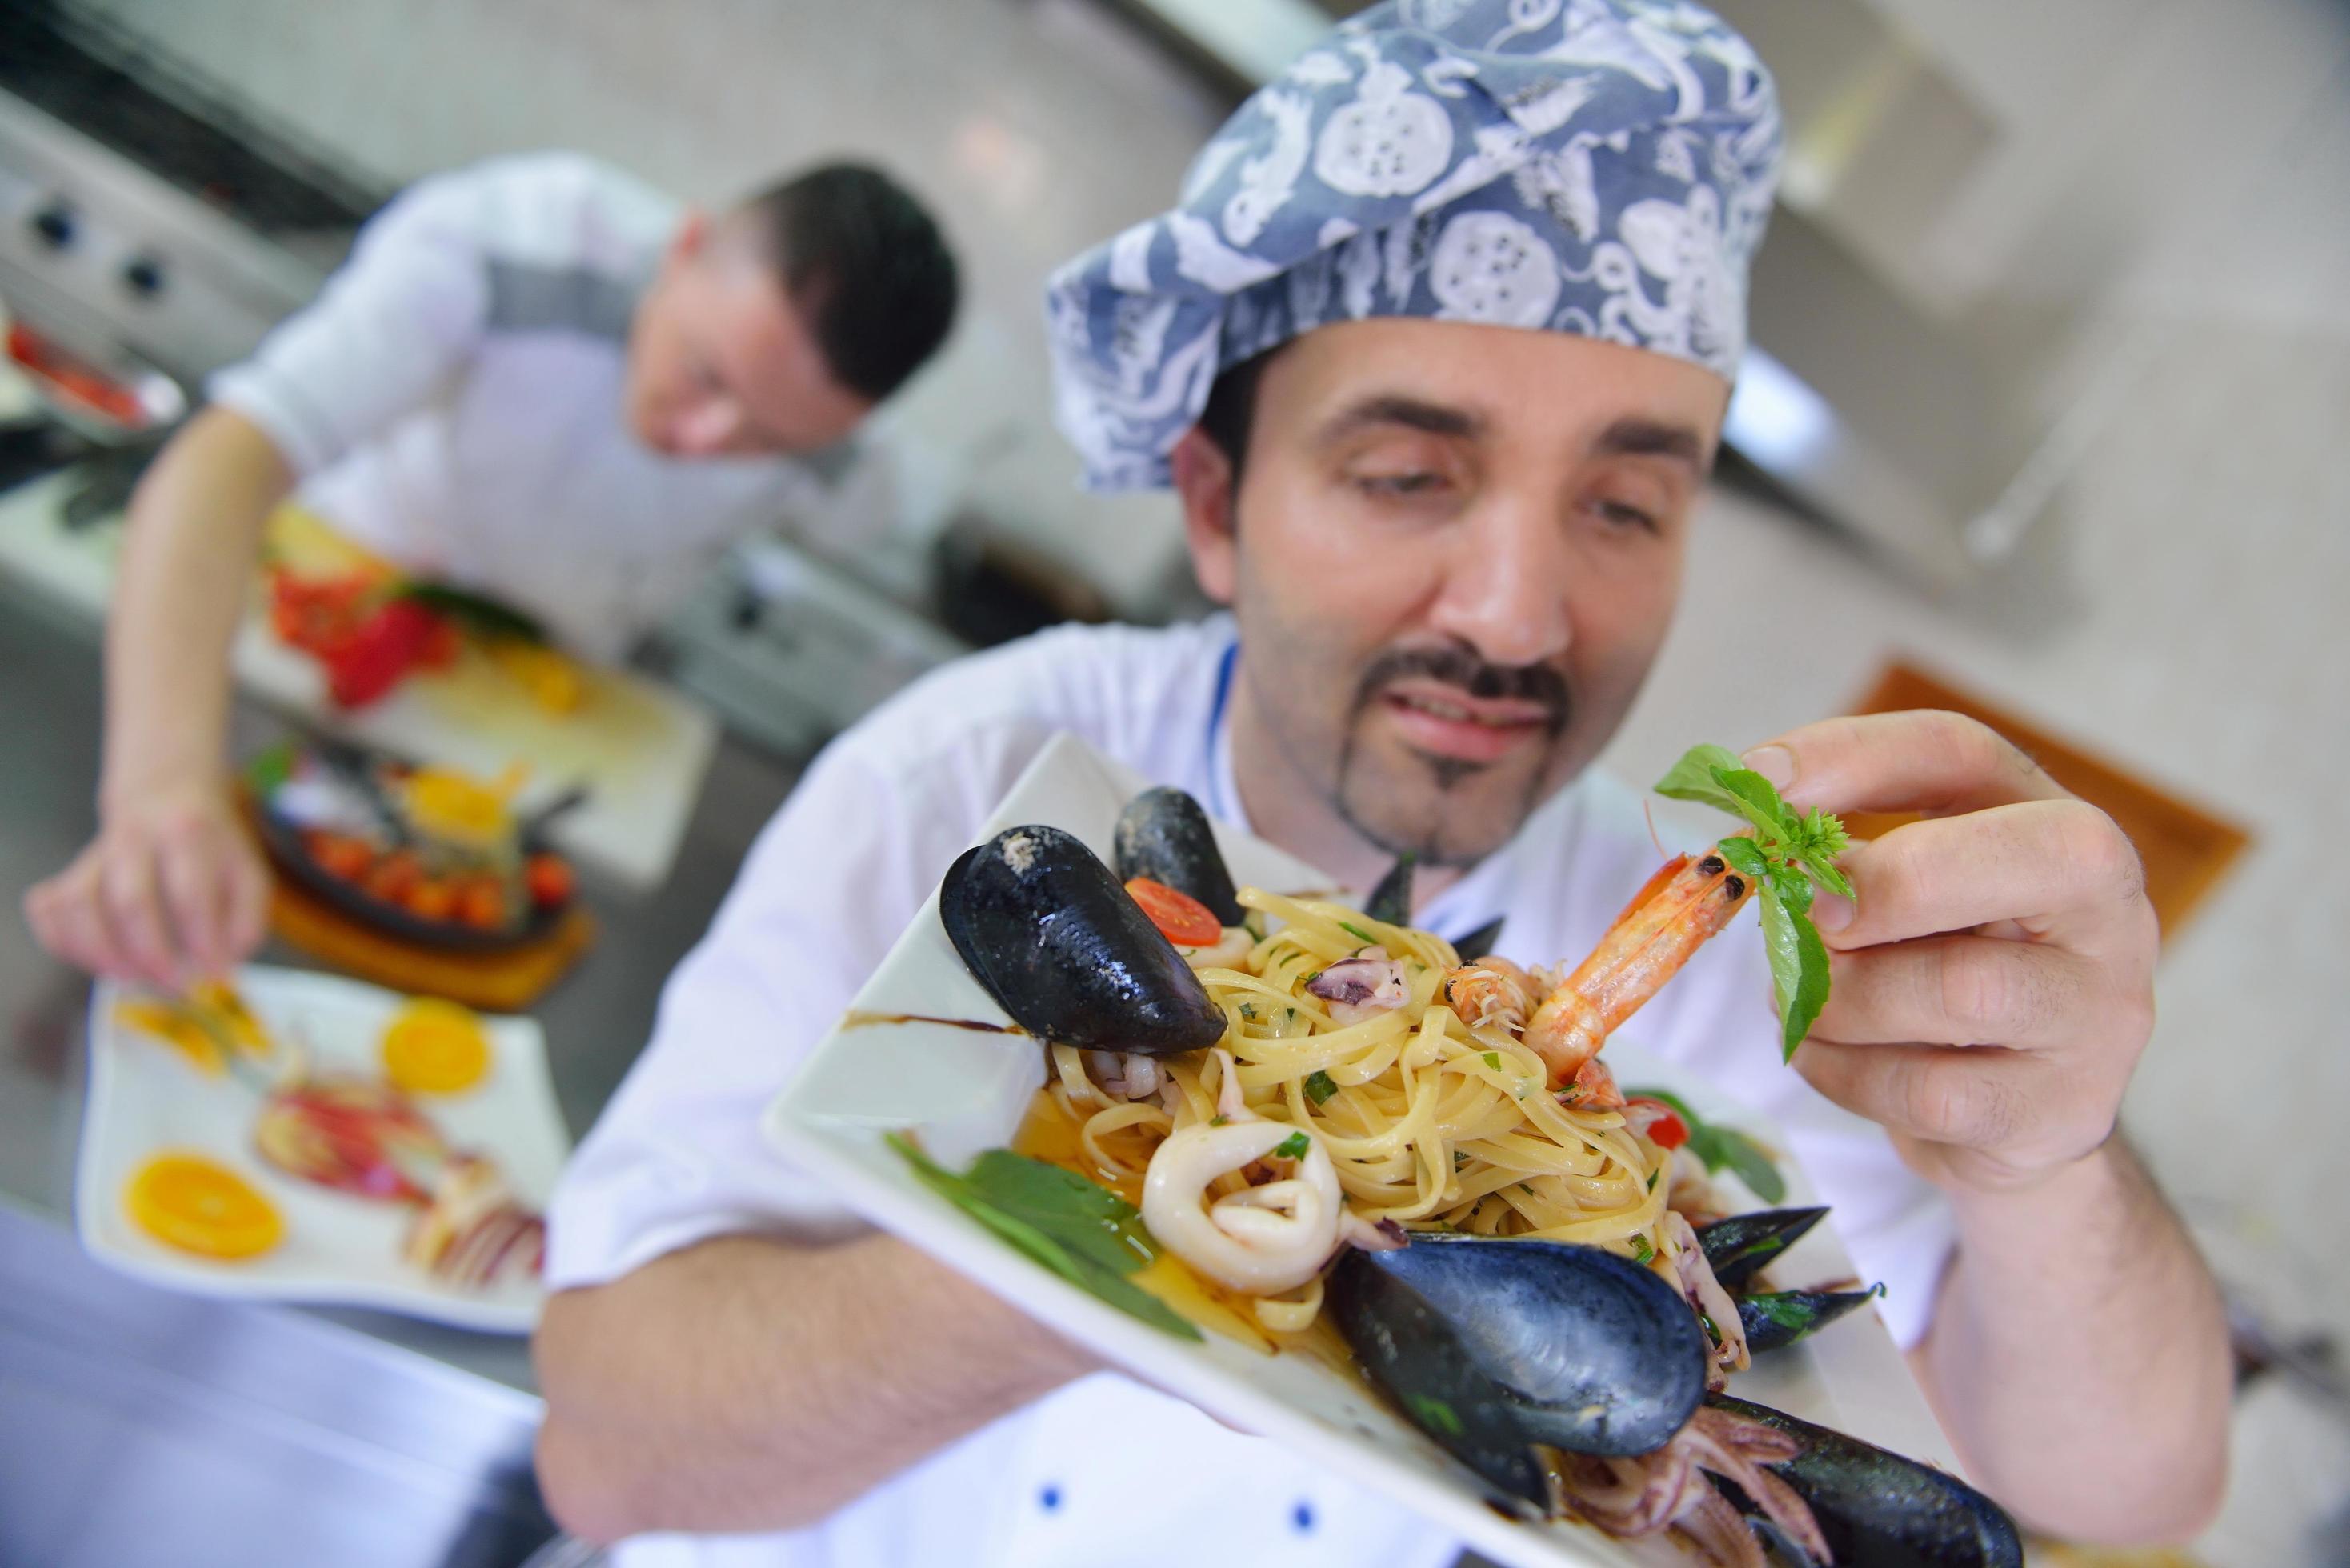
[(1460, 710)]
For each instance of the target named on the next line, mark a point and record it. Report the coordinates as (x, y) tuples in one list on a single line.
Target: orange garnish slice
[(435, 1047), (200, 1206)]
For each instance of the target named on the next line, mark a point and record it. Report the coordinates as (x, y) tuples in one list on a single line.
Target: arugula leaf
[(1799, 968), (1716, 1145), (1692, 778), (1086, 1234), (1319, 1086)]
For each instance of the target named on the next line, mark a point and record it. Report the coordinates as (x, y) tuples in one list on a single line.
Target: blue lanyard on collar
[(1224, 667)]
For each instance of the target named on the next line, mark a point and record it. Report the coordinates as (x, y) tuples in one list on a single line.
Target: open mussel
[(1738, 1248), (1164, 834), (1774, 1319), (1053, 936), (1878, 1510), (1490, 1347)]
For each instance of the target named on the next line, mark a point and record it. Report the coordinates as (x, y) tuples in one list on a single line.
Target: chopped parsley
[(1295, 1147), (1493, 1060), (1248, 1010), (1318, 1086), (1218, 1121), (1642, 1251), (1359, 934)]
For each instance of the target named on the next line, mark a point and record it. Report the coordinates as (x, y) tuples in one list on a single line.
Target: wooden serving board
[(503, 982)]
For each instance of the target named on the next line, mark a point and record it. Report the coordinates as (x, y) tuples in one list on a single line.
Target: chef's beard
[(1446, 811)]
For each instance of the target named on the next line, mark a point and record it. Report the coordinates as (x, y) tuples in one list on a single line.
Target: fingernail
[(1830, 911), (1774, 763)]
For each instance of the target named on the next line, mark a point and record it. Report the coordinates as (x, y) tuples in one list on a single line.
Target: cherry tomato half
[(1181, 918), (1666, 1128)]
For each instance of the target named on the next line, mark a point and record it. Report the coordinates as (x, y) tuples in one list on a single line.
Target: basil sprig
[(1086, 1234), (1790, 852), (1716, 1146)]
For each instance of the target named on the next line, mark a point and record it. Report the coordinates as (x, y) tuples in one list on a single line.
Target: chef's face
[(1453, 551), (720, 359)]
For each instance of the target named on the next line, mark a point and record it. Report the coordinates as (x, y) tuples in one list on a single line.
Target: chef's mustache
[(1455, 665)]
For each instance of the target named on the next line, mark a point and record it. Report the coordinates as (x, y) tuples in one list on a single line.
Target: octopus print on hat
[(1601, 167)]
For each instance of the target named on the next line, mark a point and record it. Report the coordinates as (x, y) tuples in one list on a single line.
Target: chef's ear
[(1205, 484)]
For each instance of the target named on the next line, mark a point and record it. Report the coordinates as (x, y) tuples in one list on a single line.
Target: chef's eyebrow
[(1637, 437), (1412, 413)]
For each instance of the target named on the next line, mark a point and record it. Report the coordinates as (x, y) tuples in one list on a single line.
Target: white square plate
[(144, 1098), (964, 1091)]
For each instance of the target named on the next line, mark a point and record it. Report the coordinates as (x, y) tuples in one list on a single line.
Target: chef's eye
[(1625, 515), (1419, 482)]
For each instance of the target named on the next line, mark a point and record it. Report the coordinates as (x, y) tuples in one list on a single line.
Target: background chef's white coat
[(453, 401), (1105, 1471)]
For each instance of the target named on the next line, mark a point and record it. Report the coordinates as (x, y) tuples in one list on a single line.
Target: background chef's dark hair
[(1232, 407), (866, 265)]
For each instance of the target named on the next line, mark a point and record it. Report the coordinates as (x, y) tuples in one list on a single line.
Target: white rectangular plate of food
[(893, 1067), (146, 1098)]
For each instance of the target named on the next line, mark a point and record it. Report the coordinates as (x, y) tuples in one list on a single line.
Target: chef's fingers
[(1962, 991), (1978, 1096), (65, 914), (1925, 761), (248, 904), (2055, 870), (192, 869), (132, 905)]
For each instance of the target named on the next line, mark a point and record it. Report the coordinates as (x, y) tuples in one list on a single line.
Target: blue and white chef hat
[(1601, 167)]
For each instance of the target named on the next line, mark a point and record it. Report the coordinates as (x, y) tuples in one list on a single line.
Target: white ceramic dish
[(965, 1091), (144, 1098)]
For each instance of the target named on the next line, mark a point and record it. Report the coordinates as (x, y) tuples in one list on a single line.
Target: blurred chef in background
[(537, 378)]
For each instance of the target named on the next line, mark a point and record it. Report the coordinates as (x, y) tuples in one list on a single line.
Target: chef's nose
[(1505, 581), (707, 425)]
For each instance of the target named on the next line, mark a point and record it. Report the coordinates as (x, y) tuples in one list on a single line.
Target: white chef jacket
[(453, 401), (832, 881)]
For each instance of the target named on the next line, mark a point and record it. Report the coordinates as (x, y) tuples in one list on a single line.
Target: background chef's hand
[(1993, 987), (171, 890)]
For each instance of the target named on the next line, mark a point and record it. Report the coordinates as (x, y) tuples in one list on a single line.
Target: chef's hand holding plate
[(1994, 981), (171, 892)]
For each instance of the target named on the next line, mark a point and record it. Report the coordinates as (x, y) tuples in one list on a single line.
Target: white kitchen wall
[(2179, 167)]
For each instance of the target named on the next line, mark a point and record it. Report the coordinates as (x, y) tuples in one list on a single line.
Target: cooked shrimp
[(1683, 905), (1488, 991)]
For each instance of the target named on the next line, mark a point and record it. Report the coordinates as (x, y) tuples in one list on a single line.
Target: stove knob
[(143, 276), (55, 226)]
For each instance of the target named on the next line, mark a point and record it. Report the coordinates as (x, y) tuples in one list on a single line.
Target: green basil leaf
[(1757, 802), (1319, 1086), (1793, 888), (1086, 1242), (1744, 857), (1745, 1156), (1799, 970), (1692, 777)]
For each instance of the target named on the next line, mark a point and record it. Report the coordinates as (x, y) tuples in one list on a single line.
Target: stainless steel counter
[(596, 1019)]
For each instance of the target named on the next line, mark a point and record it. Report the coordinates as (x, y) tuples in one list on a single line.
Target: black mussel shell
[(1878, 1510), (1054, 938), (1491, 1345), (1782, 1317), (1164, 834), (1739, 1248), (1479, 942), (1390, 901)]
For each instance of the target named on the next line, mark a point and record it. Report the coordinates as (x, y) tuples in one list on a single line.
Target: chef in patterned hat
[(1434, 349)]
